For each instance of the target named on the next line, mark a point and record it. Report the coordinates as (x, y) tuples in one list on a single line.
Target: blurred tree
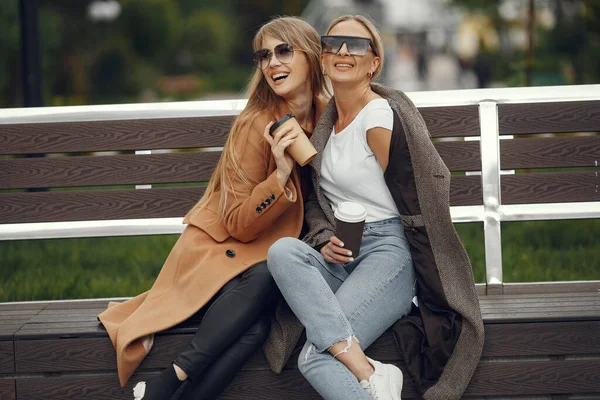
[(151, 26), (9, 52), (189, 6), (207, 42), (576, 41), (10, 48), (568, 52), (113, 75), (254, 13), (151, 42), (488, 7)]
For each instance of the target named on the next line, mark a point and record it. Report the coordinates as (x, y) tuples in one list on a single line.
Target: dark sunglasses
[(284, 53), (357, 46)]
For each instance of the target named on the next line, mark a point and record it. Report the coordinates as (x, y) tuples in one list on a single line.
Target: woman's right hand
[(279, 143), (335, 253)]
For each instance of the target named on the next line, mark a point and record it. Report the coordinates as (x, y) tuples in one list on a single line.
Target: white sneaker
[(385, 383)]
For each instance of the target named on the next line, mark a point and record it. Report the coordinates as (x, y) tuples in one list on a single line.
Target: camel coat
[(211, 251)]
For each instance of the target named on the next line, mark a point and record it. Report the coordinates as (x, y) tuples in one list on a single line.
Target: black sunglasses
[(284, 53), (357, 46)]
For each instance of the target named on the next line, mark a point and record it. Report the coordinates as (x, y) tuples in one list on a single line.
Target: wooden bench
[(542, 339)]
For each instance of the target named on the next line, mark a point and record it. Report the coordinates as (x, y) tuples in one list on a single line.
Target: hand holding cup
[(279, 143), (334, 252), (349, 223), (301, 149)]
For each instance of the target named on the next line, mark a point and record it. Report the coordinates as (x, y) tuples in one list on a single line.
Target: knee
[(279, 252)]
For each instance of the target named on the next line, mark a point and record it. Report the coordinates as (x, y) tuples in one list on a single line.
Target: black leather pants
[(235, 324)]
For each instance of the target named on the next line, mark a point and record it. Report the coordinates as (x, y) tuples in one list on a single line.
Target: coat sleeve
[(319, 229), (254, 205)]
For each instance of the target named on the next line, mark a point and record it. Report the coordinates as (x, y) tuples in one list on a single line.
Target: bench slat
[(99, 387), (146, 203), (15, 316), (79, 305), (465, 190), (97, 204), (502, 340), (540, 339), (7, 358), (93, 354), (454, 121), (556, 152), (460, 155), (550, 293), (546, 316), (25, 306), (490, 379), (535, 378), (143, 134), (65, 315), (290, 385), (107, 170), (159, 168), (550, 187), (177, 133), (7, 389), (574, 116), (82, 329), (8, 330), (574, 302)]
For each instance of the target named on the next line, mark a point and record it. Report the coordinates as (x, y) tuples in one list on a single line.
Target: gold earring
[(370, 74)]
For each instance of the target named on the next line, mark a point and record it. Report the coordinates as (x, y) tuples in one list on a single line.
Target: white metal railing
[(491, 213)]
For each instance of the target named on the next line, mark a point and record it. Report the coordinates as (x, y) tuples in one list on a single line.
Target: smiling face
[(286, 80), (344, 67)]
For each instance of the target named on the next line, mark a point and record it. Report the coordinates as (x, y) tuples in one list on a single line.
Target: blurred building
[(434, 45), (417, 38)]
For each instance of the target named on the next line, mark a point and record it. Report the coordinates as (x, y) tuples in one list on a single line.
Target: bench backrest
[(134, 186)]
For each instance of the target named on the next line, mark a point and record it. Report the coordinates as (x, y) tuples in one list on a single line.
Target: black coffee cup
[(349, 223)]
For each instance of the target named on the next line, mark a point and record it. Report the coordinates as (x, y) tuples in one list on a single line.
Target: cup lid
[(280, 122), (349, 211)]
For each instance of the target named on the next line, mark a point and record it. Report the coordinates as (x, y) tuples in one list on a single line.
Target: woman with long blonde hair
[(217, 268)]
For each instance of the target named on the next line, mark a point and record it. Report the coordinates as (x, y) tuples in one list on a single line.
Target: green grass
[(80, 268), (126, 266), (537, 251)]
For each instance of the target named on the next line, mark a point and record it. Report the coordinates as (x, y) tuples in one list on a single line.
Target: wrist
[(282, 178)]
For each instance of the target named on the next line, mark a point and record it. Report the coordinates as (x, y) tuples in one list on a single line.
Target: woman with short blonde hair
[(375, 150)]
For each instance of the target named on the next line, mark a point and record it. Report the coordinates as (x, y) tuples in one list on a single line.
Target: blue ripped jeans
[(334, 302)]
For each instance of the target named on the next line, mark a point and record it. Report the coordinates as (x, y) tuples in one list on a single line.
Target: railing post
[(490, 181)]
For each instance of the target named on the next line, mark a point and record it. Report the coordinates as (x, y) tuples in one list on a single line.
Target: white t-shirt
[(350, 171)]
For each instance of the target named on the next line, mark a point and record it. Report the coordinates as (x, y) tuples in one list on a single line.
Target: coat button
[(230, 253), (268, 201), (272, 197), (258, 210), (263, 205)]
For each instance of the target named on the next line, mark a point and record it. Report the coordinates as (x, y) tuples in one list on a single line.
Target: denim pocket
[(385, 229)]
